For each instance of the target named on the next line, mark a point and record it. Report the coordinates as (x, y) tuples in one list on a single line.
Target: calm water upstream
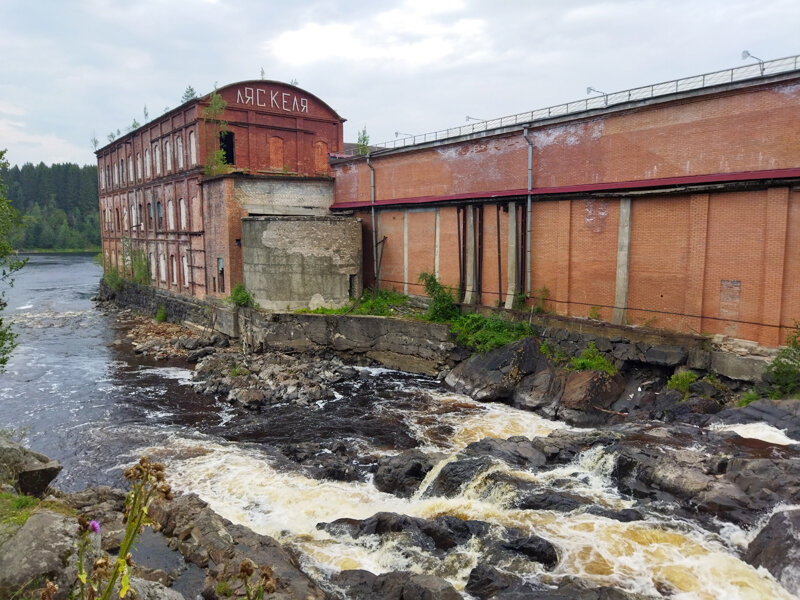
[(84, 398)]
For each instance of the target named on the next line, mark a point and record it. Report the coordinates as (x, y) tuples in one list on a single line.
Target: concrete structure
[(157, 198), (680, 210), (675, 205)]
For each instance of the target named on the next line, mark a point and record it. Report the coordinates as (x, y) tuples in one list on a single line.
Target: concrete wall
[(302, 262), (284, 196)]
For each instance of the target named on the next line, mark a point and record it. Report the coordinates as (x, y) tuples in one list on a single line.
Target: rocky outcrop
[(777, 549), (397, 585), (28, 471), (401, 474)]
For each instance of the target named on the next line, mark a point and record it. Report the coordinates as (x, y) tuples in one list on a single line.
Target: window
[(276, 153), (139, 166), (122, 171), (116, 174), (133, 215), (170, 216), (185, 264), (182, 213), (139, 214), (157, 157), (228, 146), (162, 267), (102, 179), (159, 215), (174, 270), (125, 219), (168, 156), (221, 274), (130, 168), (108, 175), (150, 213), (116, 210), (147, 163), (179, 151), (151, 265), (192, 149)]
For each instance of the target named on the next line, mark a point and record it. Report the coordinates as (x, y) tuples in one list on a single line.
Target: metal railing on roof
[(749, 71)]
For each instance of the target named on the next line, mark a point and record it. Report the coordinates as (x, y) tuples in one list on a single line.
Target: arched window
[(185, 264), (162, 267), (179, 151), (122, 171), (116, 174), (192, 149), (139, 166), (147, 163), (182, 213), (170, 216), (157, 157), (133, 215), (102, 179), (130, 168), (173, 268), (168, 156), (159, 216)]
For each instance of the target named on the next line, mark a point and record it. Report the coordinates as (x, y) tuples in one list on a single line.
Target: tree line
[(58, 205)]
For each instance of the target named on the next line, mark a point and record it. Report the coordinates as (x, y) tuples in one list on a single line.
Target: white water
[(758, 431), (658, 556)]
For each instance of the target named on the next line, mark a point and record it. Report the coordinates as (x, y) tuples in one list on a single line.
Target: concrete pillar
[(773, 263), (623, 257), (436, 244), (512, 254), (469, 288), (405, 252), (563, 241), (696, 262)]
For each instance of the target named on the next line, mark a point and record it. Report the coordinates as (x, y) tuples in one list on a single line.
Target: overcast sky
[(69, 68)]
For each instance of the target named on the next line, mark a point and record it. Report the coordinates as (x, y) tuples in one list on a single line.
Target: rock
[(486, 581), (516, 451), (777, 549), (401, 474), (249, 398), (669, 356), (538, 389), (493, 376), (397, 585), (781, 414), (43, 548), (694, 410), (195, 355), (29, 471), (703, 388), (153, 590), (627, 352), (533, 547), (456, 474), (587, 394)]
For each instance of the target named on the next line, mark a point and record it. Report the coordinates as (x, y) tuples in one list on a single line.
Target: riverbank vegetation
[(58, 204)]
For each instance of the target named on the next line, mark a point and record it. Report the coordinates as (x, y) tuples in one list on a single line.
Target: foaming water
[(757, 431)]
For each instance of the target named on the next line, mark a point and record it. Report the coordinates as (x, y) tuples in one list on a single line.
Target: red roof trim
[(588, 187)]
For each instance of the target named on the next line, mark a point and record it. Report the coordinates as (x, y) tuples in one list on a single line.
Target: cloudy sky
[(71, 68)]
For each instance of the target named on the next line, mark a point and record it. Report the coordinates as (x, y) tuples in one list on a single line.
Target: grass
[(681, 380), (487, 333), (591, 359), (239, 370), (15, 510), (161, 314), (748, 397), (381, 303)]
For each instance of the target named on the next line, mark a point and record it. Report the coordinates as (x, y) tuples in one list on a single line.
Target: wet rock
[(455, 475), (694, 410), (563, 445), (249, 398), (493, 376), (29, 471), (43, 548), (539, 389), (587, 394), (626, 515), (397, 585), (781, 414), (516, 451), (487, 582), (401, 474), (533, 547), (777, 549)]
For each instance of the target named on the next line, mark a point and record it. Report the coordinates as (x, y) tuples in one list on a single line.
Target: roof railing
[(749, 71)]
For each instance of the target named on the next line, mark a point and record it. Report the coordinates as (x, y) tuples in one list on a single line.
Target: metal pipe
[(374, 237), (499, 262), (530, 188)]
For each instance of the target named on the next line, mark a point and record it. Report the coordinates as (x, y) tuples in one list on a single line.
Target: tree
[(212, 115), (362, 145), (188, 94), (9, 261)]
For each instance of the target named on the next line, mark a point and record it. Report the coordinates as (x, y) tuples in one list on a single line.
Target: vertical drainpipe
[(374, 235), (530, 187)]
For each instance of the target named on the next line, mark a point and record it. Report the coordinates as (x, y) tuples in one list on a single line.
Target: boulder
[(397, 585), (539, 389), (515, 451), (533, 547), (402, 473), (494, 375), (29, 471), (153, 590), (668, 356), (454, 475), (588, 395), (777, 549)]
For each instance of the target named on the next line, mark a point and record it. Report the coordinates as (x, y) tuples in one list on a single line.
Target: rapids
[(83, 397)]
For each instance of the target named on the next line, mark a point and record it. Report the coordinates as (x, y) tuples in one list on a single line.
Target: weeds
[(487, 333), (681, 380), (594, 313), (591, 359), (381, 303), (161, 314), (442, 307), (241, 297), (540, 297), (784, 371), (238, 371), (748, 397)]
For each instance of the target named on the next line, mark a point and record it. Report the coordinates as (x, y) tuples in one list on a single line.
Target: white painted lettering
[(259, 91), (273, 99), (239, 98), (304, 105), (248, 95), (284, 97), (295, 105)]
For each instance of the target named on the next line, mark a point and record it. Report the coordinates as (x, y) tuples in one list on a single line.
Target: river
[(80, 395)]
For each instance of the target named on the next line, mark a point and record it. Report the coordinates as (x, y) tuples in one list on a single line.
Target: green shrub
[(442, 307), (241, 297), (520, 300), (784, 371), (540, 297), (748, 397), (161, 314), (591, 359), (113, 278), (681, 380), (487, 333), (594, 313)]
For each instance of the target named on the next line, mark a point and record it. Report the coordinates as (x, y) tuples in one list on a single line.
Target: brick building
[(156, 197), (675, 205)]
